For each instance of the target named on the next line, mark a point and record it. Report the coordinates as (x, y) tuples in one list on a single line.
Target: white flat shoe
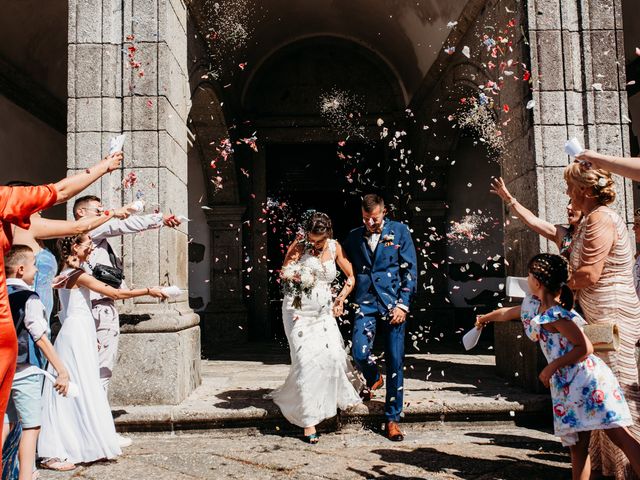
[(124, 442)]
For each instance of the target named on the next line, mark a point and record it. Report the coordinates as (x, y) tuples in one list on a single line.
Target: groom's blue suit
[(385, 278)]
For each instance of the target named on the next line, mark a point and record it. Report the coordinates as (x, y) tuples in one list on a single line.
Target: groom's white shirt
[(374, 238)]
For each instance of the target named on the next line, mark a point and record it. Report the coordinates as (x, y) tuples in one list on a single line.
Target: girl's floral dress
[(586, 395)]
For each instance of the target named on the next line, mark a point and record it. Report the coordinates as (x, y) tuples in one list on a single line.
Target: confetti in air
[(479, 117), (130, 180), (471, 228), (227, 32), (343, 112)]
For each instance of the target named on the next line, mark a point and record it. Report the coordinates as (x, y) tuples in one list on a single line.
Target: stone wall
[(146, 96)]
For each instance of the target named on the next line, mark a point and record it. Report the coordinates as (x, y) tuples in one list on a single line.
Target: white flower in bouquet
[(290, 272), (307, 279), (312, 264), (296, 281)]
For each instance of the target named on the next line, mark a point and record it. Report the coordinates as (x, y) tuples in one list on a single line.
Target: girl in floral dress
[(585, 394)]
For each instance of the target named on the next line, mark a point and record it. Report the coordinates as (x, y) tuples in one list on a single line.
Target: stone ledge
[(169, 418), (232, 395)]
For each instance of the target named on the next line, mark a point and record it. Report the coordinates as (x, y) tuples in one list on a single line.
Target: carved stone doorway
[(303, 177)]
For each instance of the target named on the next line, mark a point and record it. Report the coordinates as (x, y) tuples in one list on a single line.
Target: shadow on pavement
[(244, 398), (464, 467), (519, 441)]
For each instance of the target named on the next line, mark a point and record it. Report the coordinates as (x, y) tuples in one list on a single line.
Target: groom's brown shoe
[(393, 432), (367, 393)]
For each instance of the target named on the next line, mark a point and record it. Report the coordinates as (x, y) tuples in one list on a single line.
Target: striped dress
[(612, 299)]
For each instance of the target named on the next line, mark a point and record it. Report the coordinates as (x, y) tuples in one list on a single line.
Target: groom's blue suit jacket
[(388, 276)]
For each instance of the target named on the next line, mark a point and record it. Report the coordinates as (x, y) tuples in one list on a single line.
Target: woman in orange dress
[(17, 204), (602, 264)]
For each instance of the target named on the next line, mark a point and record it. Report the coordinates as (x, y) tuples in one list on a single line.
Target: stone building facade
[(144, 67)]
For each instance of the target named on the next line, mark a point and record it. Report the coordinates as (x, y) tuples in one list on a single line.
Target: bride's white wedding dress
[(321, 378), (79, 429)]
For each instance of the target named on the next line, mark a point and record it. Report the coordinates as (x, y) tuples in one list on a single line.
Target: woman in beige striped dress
[(602, 265)]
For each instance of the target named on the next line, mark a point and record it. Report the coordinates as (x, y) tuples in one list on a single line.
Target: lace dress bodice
[(325, 269)]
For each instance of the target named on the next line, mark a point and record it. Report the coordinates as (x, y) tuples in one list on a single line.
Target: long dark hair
[(552, 271)]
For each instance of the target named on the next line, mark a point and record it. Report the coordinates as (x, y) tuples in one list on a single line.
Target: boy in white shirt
[(32, 329)]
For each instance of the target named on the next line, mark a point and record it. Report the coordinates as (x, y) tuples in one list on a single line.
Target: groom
[(384, 260)]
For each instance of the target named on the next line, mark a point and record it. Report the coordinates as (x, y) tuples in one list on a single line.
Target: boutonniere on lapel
[(388, 239)]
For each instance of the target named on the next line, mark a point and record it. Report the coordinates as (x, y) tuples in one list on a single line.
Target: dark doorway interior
[(313, 176)]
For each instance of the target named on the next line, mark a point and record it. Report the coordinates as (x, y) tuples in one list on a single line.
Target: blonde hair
[(597, 180)]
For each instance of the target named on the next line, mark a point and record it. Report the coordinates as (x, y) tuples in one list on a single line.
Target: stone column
[(127, 73)]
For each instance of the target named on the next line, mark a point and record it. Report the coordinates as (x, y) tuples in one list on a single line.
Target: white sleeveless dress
[(321, 378), (79, 429)]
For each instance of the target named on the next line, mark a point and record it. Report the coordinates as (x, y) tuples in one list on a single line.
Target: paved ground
[(435, 451), (438, 386)]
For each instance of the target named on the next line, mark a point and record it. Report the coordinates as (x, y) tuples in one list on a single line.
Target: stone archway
[(215, 254), (283, 101)]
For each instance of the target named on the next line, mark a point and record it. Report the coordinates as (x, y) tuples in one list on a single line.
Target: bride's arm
[(294, 252), (347, 268)]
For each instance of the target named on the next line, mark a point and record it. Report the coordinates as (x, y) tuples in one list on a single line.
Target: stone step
[(438, 388)]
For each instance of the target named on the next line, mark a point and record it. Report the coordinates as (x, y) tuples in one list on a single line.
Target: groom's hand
[(398, 316)]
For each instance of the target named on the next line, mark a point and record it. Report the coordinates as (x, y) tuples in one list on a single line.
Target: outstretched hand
[(480, 321), (500, 189), (113, 161), (588, 158), (171, 221), (156, 292), (123, 212)]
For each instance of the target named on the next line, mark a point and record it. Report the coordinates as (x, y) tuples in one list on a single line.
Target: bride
[(321, 378)]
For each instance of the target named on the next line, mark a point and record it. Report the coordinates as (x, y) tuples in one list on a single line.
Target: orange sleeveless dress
[(17, 204)]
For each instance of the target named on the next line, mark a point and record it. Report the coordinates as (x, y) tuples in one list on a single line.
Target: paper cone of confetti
[(471, 338)]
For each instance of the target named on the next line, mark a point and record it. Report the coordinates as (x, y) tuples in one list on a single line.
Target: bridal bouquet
[(297, 280)]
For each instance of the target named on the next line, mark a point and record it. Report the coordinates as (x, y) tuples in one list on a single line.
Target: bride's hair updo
[(597, 180), (319, 223), (552, 271), (65, 250)]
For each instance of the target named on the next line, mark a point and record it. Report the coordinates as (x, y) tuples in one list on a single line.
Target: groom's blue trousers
[(364, 333)]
